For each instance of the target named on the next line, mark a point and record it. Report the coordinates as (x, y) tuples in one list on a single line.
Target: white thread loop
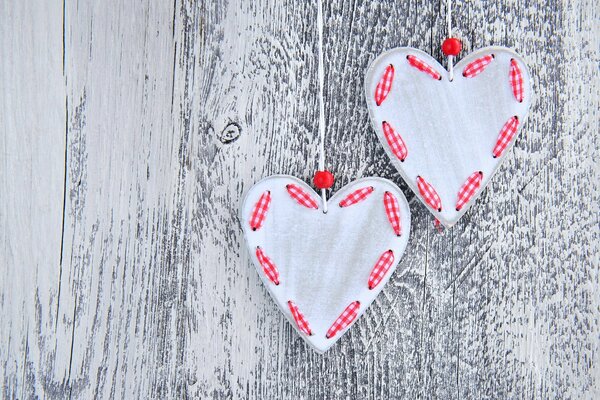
[(321, 75), (449, 23)]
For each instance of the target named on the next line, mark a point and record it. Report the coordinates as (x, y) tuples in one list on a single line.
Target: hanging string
[(321, 75), (449, 24)]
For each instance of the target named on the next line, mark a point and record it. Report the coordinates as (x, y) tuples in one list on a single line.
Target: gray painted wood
[(130, 131)]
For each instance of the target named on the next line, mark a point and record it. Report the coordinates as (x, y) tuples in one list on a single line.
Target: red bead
[(323, 179), (451, 47)]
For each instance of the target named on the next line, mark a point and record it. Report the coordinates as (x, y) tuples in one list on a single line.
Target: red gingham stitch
[(516, 80), (468, 189), (269, 268), (395, 142), (506, 134), (357, 196), (301, 322), (392, 211), (301, 196), (385, 85), (259, 213), (476, 67), (422, 66), (345, 319), (381, 268), (429, 194)]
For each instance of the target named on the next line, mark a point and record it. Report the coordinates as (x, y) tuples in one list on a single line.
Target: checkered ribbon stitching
[(392, 210), (424, 67), (476, 67), (259, 213), (429, 194), (516, 80), (301, 322), (357, 196), (381, 268), (506, 135), (395, 142), (301, 196), (269, 268), (385, 85), (345, 319), (468, 189)]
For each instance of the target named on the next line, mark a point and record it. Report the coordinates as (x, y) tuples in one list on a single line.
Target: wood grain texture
[(130, 131)]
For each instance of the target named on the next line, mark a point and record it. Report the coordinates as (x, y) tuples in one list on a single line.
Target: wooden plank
[(174, 109), (32, 151), (120, 306)]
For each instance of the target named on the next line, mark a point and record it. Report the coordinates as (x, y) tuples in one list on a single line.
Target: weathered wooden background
[(130, 129)]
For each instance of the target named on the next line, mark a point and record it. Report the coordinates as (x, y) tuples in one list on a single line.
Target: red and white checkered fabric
[(516, 80), (468, 189), (395, 141), (259, 213), (345, 319), (269, 268), (301, 196), (506, 135), (392, 210), (381, 268), (385, 85), (301, 322), (423, 66), (476, 67), (429, 194), (357, 196)]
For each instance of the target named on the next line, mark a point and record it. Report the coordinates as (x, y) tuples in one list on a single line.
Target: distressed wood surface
[(130, 131)]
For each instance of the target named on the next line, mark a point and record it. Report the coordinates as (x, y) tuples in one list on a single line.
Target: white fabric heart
[(447, 138), (325, 269)]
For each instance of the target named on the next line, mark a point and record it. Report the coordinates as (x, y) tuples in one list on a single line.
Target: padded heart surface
[(448, 137), (324, 263)]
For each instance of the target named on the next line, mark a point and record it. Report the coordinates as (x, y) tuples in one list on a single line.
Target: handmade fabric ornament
[(448, 133), (324, 265), (324, 269)]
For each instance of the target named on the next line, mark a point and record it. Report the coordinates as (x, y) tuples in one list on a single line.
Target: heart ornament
[(448, 137), (324, 269)]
